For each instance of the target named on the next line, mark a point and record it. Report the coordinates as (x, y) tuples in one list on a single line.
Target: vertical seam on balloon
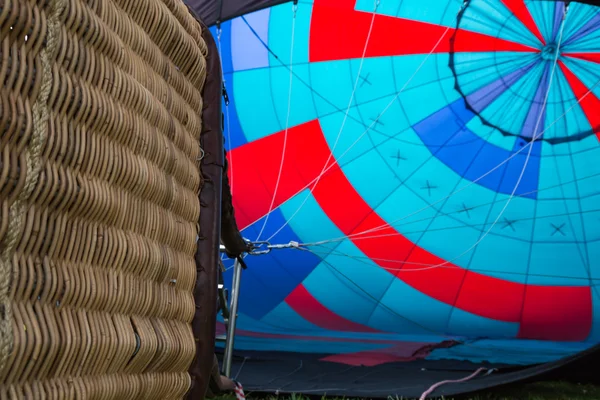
[(534, 137), (386, 307), (227, 116), (584, 258), (468, 267), (325, 168), (287, 123), (513, 155), (383, 227), (327, 162)]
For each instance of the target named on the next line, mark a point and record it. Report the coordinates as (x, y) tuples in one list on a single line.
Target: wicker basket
[(100, 112)]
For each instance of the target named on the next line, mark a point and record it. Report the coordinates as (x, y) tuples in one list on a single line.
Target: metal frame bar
[(230, 313), (233, 311)]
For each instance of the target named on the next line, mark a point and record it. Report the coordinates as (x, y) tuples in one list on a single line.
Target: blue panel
[(595, 332), (510, 351), (522, 172), (233, 130), (303, 213), (481, 327), (270, 278), (397, 312), (350, 266), (492, 258), (582, 25), (248, 38), (294, 323), (304, 345), (446, 128)]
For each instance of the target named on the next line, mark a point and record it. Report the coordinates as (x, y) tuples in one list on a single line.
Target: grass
[(533, 391), (542, 391)]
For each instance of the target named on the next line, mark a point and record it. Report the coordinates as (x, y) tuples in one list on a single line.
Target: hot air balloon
[(423, 178)]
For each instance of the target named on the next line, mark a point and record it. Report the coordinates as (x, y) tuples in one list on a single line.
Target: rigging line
[(471, 252), (287, 122), (327, 250), (480, 227), (362, 59), (366, 260), (379, 303), (356, 81), (471, 183), (585, 258), (374, 122), (585, 261), (433, 387), (359, 235), (585, 265), (227, 112), (535, 137)]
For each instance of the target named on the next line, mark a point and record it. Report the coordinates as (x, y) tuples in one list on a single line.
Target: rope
[(227, 112), (385, 226), (533, 139), (450, 261), (287, 123), (433, 387), (18, 210), (375, 5), (326, 252), (327, 168)]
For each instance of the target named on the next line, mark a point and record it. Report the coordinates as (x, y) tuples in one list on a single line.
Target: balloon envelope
[(439, 162)]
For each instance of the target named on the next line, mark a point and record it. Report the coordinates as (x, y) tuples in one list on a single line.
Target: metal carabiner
[(259, 248)]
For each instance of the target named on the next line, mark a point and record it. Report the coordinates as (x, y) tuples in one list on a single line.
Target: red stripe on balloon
[(339, 32), (259, 163), (592, 57), (520, 10), (590, 104), (557, 313), (486, 296), (309, 308)]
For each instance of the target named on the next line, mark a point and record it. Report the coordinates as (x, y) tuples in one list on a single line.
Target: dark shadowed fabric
[(304, 373), (207, 255), (213, 11)]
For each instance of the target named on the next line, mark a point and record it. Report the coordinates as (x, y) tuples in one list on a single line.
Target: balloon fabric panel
[(437, 162)]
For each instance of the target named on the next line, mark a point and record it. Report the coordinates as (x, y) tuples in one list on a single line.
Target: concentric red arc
[(486, 296), (346, 30)]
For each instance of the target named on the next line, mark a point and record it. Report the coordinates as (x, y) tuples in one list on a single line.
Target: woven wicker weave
[(100, 119)]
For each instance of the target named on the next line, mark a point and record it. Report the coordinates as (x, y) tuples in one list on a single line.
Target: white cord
[(534, 138), (431, 205), (327, 168), (376, 4), (226, 113), (287, 124)]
